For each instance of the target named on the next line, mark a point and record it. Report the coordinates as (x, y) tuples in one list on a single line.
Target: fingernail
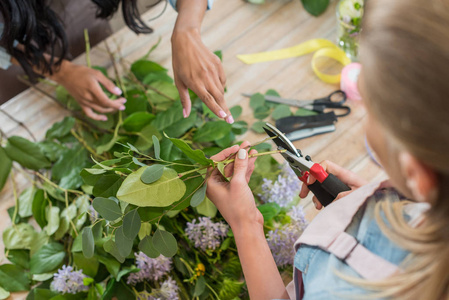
[(314, 203), (242, 154), (117, 91), (230, 119), (124, 101), (104, 118), (184, 113), (122, 107), (309, 180), (222, 114)]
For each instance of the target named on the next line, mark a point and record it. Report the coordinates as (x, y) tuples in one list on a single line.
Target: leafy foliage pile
[(102, 191)]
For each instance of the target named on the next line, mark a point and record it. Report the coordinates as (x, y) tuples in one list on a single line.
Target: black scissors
[(326, 187), (334, 100)]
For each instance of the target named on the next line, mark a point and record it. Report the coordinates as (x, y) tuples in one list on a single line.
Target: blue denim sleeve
[(174, 2)]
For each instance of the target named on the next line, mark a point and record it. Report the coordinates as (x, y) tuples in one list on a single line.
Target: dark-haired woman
[(37, 41)]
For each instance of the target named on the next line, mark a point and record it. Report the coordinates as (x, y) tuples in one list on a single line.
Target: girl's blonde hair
[(405, 58)]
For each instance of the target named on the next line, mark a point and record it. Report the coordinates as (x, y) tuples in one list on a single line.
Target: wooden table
[(235, 27)]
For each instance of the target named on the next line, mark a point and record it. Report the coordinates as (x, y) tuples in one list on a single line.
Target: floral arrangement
[(118, 208), (349, 17)]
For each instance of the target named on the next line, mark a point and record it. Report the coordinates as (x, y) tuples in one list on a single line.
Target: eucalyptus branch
[(114, 65), (85, 145), (86, 39), (226, 162), (57, 186), (20, 123)]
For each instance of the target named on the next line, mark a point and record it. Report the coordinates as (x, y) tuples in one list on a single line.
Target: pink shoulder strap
[(327, 231)]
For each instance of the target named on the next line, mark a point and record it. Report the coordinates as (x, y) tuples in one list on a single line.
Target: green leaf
[(199, 196), (207, 208), (26, 202), (107, 208), (261, 112), (5, 167), (69, 166), (257, 100), (124, 244), (20, 236), (110, 247), (52, 215), (269, 210), (47, 259), (42, 294), (38, 208), (145, 229), (262, 147), (200, 287), (4, 294), (168, 189), (196, 155), (146, 246), (60, 129), (152, 173), (157, 76), (169, 152), (20, 258), (88, 265), (236, 111), (14, 278), (281, 111), (107, 185), (212, 131), (258, 126), (145, 140), (137, 121), (88, 242), (157, 147), (315, 7), (141, 68), (169, 117), (239, 127), (182, 126), (165, 243), (305, 112), (131, 224), (136, 102), (42, 277), (39, 241), (52, 150), (26, 153), (226, 141)]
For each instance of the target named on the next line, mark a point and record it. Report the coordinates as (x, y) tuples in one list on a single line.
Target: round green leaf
[(200, 286), (152, 173), (236, 111), (88, 242), (145, 229), (199, 196), (47, 259), (167, 190), (147, 247), (165, 243), (107, 208), (111, 247), (257, 100), (124, 245), (14, 278), (131, 224), (258, 126), (281, 111)]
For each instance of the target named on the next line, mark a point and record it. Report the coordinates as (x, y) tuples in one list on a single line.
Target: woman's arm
[(195, 66), (235, 202)]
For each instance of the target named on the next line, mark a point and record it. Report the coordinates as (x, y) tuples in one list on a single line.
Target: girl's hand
[(349, 178), (195, 67), (83, 84), (234, 199)]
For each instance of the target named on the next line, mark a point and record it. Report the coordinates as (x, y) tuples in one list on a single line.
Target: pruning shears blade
[(279, 139)]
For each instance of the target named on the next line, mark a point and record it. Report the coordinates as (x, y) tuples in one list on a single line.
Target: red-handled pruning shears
[(326, 187)]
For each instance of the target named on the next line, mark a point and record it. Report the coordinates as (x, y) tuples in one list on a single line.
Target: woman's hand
[(83, 84), (234, 199), (195, 67), (347, 177)]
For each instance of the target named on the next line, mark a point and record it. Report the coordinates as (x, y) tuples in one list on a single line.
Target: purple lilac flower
[(282, 240), (150, 268), (206, 234), (283, 190), (93, 214), (168, 291), (68, 281)]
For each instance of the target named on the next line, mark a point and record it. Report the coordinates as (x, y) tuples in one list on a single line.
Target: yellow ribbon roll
[(323, 48)]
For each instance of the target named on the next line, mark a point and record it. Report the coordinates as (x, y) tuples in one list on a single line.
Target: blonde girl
[(395, 243)]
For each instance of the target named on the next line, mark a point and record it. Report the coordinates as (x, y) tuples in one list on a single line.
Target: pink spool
[(348, 84)]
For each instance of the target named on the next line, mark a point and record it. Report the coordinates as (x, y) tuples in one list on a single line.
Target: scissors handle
[(336, 98)]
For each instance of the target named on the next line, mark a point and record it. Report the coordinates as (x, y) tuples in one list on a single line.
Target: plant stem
[(114, 65), (226, 162), (213, 291), (16, 199), (21, 124), (86, 38), (85, 145), (57, 186)]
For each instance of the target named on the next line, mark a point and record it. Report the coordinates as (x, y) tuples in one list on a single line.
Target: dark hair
[(36, 26), (131, 15)]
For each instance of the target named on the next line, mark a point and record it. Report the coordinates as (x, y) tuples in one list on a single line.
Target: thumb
[(241, 166)]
